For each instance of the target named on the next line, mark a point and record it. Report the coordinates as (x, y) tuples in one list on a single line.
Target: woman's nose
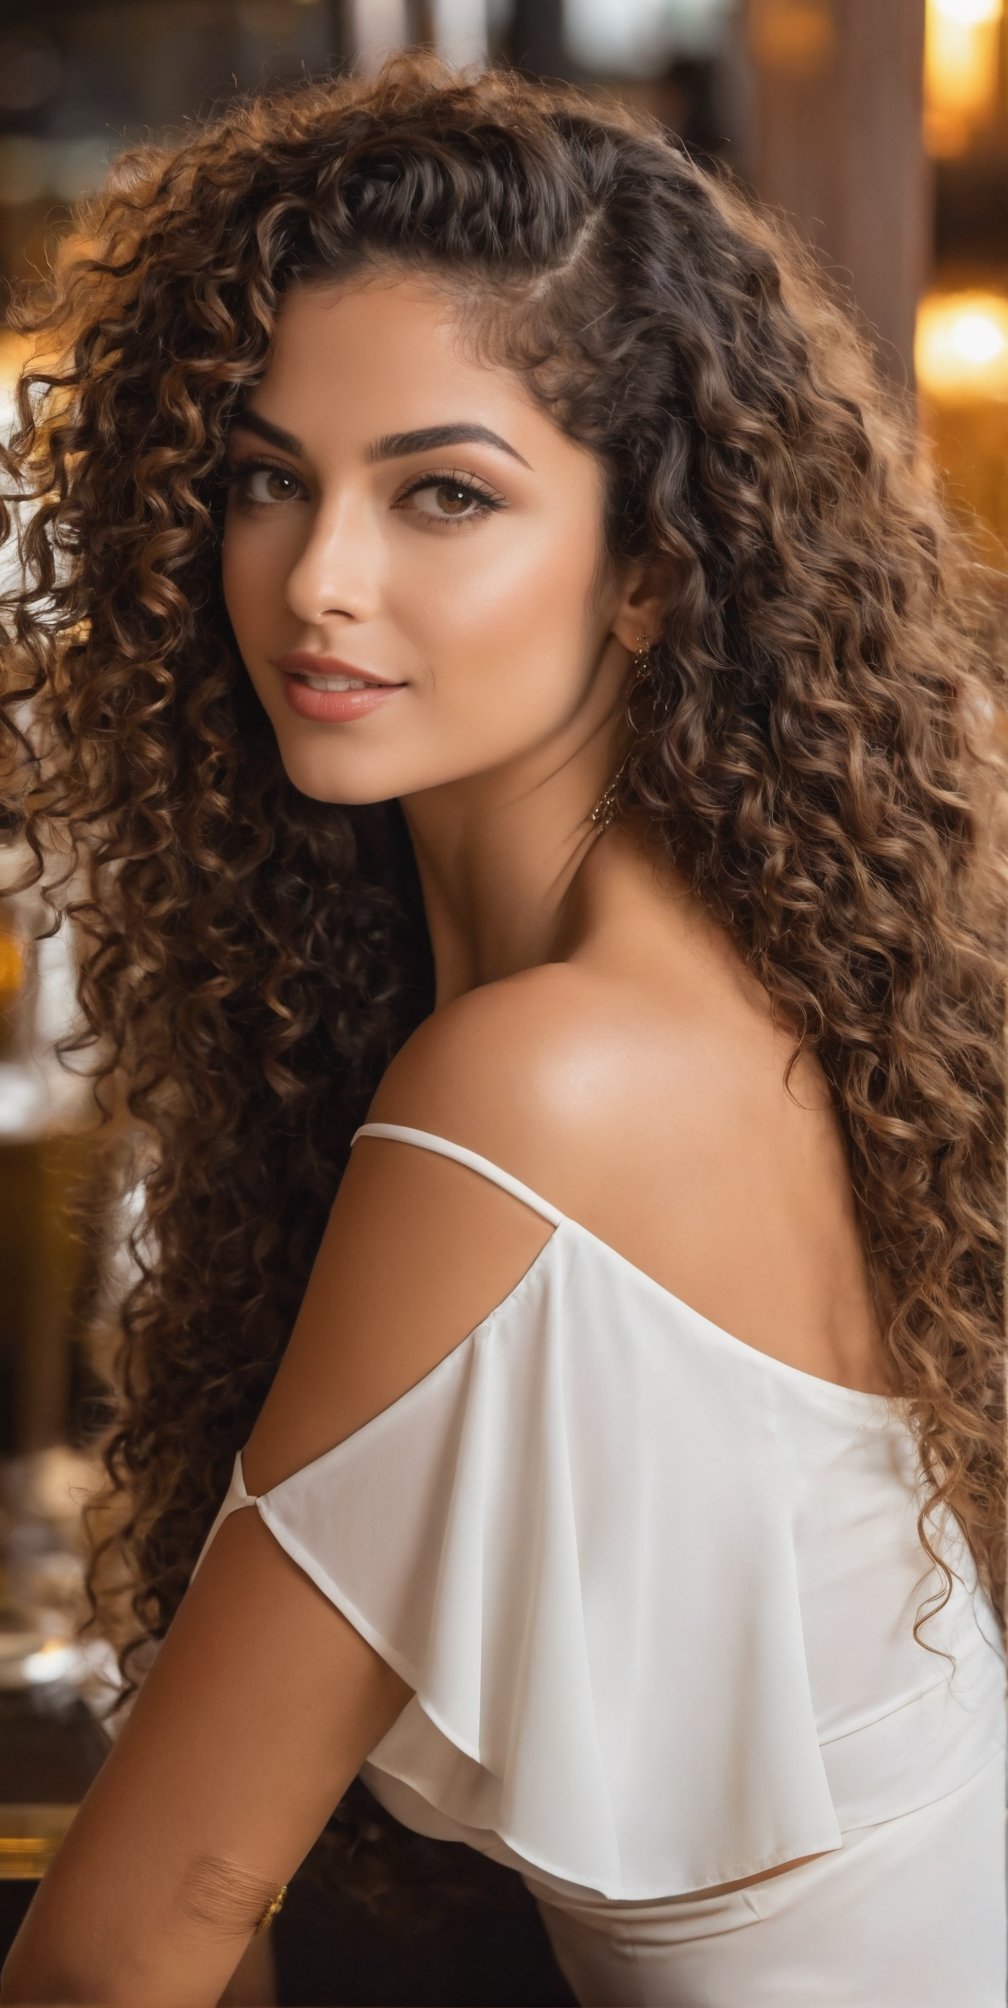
[(337, 566)]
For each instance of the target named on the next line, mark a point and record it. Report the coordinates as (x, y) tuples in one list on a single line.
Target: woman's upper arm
[(418, 1248), (264, 1700)]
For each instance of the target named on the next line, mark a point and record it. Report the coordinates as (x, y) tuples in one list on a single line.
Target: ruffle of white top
[(653, 1592)]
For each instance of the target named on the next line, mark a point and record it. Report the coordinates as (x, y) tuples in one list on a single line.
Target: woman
[(606, 1409)]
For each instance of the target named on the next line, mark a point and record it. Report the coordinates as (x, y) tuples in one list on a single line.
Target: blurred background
[(881, 128)]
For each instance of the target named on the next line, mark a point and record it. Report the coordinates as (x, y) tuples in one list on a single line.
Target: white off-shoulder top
[(653, 1589)]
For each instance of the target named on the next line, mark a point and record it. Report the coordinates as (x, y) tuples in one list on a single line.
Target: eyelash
[(450, 478)]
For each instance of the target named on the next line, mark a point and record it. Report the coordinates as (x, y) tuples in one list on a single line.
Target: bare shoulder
[(651, 1108), (522, 1014), (582, 1079), (527, 1071), (419, 1249)]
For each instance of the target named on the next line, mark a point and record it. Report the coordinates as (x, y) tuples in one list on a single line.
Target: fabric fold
[(577, 1546)]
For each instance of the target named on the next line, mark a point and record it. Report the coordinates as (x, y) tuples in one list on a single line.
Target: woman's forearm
[(33, 1973)]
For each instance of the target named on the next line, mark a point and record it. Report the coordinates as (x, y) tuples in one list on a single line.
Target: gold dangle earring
[(605, 808)]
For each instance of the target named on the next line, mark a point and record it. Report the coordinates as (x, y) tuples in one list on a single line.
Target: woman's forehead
[(391, 355)]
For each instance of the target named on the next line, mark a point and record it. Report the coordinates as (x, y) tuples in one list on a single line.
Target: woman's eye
[(463, 500), (257, 483)]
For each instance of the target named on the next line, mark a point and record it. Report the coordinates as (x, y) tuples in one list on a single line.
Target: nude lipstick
[(312, 686)]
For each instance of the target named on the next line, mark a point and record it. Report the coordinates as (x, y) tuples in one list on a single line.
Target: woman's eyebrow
[(392, 445)]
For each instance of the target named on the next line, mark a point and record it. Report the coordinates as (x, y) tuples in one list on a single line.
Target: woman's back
[(689, 1096)]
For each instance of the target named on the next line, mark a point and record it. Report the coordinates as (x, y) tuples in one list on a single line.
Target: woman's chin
[(317, 779)]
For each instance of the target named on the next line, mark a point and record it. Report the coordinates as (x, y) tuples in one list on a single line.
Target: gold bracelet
[(271, 1909)]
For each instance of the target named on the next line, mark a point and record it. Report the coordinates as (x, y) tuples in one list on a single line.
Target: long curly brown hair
[(824, 762)]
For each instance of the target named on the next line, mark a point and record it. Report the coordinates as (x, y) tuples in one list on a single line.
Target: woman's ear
[(640, 612)]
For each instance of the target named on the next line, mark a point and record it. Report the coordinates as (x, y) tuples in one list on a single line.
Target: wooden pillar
[(535, 40), (836, 139), (338, 33)]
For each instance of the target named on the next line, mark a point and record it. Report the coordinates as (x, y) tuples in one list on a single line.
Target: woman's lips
[(307, 662), (333, 706)]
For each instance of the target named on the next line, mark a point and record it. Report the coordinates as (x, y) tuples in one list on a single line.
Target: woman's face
[(458, 568)]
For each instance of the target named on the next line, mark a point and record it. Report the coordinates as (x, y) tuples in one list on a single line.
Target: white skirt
[(910, 1913)]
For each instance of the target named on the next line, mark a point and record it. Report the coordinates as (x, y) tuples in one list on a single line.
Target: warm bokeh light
[(795, 38), (969, 13), (14, 352), (12, 967), (961, 365), (977, 339), (961, 345), (961, 70)]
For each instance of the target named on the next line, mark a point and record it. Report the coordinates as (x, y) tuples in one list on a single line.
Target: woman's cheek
[(246, 579)]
